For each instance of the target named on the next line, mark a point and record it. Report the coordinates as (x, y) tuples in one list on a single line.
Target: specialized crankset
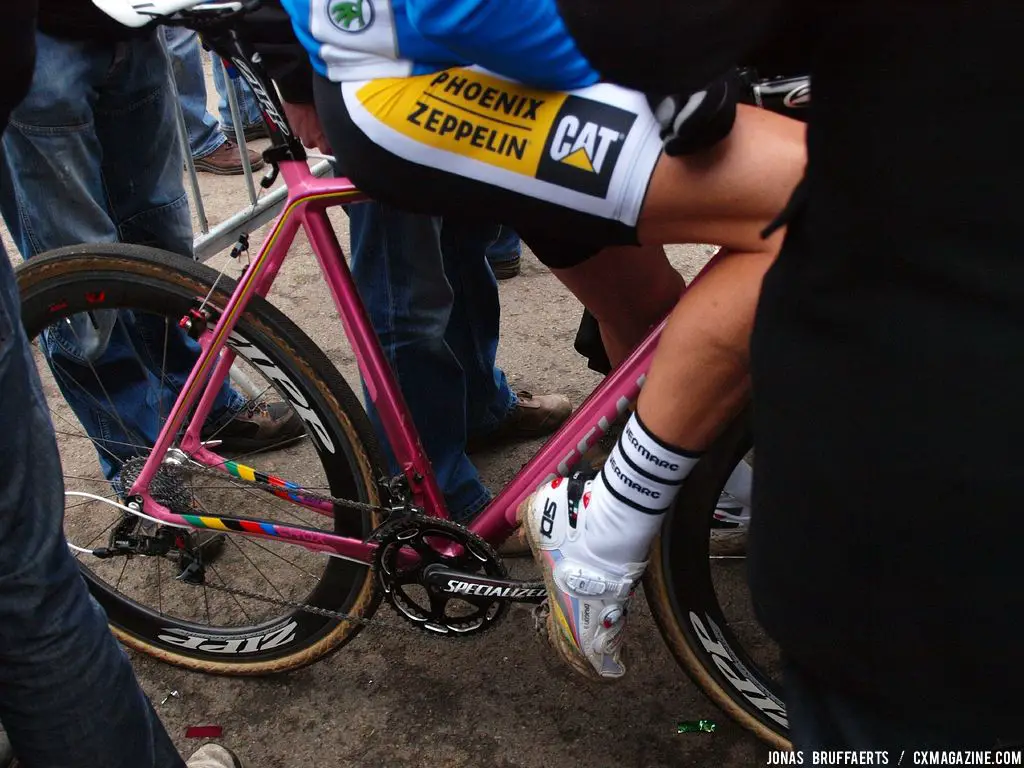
[(443, 578)]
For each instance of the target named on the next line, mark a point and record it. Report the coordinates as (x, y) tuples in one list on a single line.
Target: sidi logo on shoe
[(547, 524), (584, 145)]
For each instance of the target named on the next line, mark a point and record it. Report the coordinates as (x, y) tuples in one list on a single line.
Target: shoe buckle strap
[(585, 583)]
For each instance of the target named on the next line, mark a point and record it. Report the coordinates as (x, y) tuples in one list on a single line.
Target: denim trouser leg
[(94, 139), (204, 136), (475, 321), (68, 696), (248, 107), (400, 273)]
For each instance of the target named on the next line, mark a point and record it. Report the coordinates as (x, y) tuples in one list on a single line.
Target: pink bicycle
[(264, 565)]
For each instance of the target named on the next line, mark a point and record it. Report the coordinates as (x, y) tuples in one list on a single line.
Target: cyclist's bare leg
[(704, 352), (725, 196), (698, 380), (728, 194), (628, 289)]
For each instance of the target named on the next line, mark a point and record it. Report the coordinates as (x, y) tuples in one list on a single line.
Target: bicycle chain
[(325, 612)]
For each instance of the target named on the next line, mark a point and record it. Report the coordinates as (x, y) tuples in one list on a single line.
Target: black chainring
[(408, 545)]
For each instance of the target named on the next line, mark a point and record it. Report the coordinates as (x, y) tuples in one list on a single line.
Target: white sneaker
[(214, 756), (588, 598), (729, 526)]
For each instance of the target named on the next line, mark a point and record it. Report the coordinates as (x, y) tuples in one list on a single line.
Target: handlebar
[(790, 96)]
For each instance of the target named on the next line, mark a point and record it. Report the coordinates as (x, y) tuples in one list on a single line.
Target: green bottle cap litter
[(695, 726)]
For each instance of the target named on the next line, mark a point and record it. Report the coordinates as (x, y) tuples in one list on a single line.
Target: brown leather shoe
[(259, 426), (532, 416), (226, 160), (253, 132)]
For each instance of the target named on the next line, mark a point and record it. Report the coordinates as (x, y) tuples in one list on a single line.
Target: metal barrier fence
[(212, 240)]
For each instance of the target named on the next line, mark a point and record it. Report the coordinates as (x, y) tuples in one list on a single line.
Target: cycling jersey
[(492, 102), (365, 39)]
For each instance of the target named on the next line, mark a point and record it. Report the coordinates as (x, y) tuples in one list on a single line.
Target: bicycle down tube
[(308, 199)]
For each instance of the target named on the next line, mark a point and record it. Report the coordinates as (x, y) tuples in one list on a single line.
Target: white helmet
[(138, 13)]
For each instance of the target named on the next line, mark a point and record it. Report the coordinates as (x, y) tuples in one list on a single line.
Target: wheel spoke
[(256, 567)]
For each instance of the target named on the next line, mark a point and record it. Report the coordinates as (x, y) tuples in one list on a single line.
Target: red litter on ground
[(204, 732)]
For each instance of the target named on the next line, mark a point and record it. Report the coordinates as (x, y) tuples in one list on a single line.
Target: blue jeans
[(506, 247), (96, 133), (433, 302), (68, 695), (204, 133)]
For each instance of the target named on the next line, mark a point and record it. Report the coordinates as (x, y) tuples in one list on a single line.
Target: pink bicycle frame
[(306, 204)]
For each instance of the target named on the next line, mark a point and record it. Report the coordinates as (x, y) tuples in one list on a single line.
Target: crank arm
[(473, 586)]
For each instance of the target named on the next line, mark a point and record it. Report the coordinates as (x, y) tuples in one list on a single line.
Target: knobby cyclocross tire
[(679, 589), (83, 278)]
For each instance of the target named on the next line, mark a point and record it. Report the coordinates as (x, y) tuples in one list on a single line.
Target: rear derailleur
[(191, 551)]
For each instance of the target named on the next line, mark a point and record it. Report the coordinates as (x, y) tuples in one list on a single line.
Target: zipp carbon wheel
[(702, 606), (107, 317)]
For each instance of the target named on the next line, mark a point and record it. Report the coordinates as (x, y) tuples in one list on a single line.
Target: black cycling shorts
[(568, 171)]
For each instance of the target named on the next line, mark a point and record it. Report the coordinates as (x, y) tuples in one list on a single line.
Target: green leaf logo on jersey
[(351, 15)]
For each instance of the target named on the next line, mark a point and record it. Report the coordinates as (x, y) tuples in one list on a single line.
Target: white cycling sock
[(630, 496)]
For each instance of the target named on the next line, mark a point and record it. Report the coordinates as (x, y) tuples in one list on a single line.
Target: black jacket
[(888, 353), (17, 41)]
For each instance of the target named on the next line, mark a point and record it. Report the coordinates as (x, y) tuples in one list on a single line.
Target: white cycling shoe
[(588, 599)]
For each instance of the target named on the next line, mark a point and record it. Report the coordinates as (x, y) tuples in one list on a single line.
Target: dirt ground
[(396, 698)]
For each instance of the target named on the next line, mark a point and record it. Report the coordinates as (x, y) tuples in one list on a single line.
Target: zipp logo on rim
[(735, 673), (295, 396), (275, 638)]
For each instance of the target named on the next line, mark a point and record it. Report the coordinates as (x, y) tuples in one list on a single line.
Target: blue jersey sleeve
[(525, 40)]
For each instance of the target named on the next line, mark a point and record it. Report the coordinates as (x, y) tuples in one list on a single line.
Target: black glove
[(693, 123)]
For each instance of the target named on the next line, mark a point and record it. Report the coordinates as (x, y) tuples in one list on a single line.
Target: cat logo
[(584, 144), (350, 15)]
